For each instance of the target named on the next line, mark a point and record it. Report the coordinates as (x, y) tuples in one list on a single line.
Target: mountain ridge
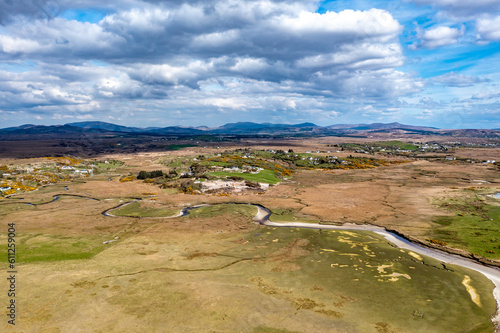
[(237, 128)]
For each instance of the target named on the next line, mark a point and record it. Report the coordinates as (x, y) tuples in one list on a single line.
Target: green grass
[(382, 144), (264, 176), (474, 232), (8, 208), (113, 164), (215, 163), (217, 210), (176, 162), (42, 248), (170, 190), (395, 143), (288, 215), (351, 286), (473, 226), (134, 209), (353, 146)]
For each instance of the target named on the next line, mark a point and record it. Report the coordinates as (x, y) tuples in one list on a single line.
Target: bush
[(126, 179), (153, 174), (435, 241)]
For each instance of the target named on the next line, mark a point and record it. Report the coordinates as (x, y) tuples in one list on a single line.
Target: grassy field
[(394, 144), (264, 176), (259, 280), (473, 226), (289, 215), (111, 165), (372, 275), (136, 209), (7, 207), (214, 211), (46, 247)]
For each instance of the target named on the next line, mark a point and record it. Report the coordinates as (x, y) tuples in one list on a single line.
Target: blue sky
[(193, 62)]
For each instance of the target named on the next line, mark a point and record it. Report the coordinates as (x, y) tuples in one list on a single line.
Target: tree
[(142, 175), (153, 174)]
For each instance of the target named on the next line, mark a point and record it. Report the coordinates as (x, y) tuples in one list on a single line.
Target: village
[(28, 177)]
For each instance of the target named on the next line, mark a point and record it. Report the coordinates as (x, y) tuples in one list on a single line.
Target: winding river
[(263, 214)]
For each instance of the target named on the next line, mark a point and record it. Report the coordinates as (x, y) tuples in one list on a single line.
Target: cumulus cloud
[(225, 54), (439, 36), (488, 28), (30, 90), (483, 14)]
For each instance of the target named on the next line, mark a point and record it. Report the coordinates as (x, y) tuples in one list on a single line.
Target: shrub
[(153, 174), (435, 241), (126, 179)]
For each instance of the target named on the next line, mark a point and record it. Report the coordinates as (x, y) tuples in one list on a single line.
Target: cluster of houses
[(16, 179), (77, 171), (64, 168)]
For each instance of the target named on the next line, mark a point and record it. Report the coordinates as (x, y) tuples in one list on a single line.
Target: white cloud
[(482, 13), (192, 55), (425, 114), (488, 29), (230, 103), (216, 39), (14, 46), (485, 95), (439, 36), (357, 56), (453, 79), (347, 23)]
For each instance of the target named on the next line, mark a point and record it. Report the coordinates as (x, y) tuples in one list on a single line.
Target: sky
[(209, 62)]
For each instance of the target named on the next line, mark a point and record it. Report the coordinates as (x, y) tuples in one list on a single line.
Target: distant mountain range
[(53, 129), (239, 128), (379, 126)]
